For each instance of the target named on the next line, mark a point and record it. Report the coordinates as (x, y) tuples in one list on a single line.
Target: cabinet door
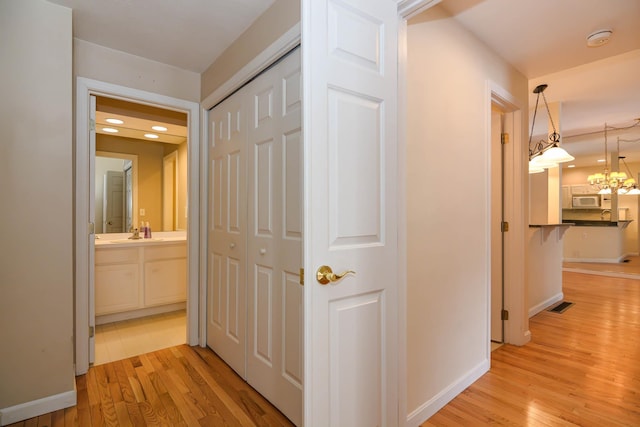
[(165, 281), (566, 197), (116, 288)]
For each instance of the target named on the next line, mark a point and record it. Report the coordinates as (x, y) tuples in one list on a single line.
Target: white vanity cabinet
[(117, 280), (139, 278), (165, 274)]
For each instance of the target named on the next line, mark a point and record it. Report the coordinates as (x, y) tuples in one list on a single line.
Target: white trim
[(84, 88), (433, 405), (544, 304), (34, 408), (275, 51), (407, 9), (616, 260)]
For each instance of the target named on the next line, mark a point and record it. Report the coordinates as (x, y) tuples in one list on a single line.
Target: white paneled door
[(256, 223), (227, 233), (351, 323), (274, 358)]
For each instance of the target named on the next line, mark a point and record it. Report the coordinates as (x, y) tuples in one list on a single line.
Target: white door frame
[(84, 89)]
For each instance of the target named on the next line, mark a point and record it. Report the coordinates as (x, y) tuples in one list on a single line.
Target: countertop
[(122, 239), (597, 223)]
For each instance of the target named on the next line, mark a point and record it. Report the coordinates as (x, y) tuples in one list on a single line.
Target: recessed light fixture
[(599, 38), (159, 128), (151, 136), (110, 130), (600, 160), (114, 121), (571, 166)]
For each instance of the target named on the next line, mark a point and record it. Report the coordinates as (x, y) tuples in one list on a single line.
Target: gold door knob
[(325, 275)]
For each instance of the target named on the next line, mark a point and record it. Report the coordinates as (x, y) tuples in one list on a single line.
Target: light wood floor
[(178, 386), (630, 268), (581, 368)]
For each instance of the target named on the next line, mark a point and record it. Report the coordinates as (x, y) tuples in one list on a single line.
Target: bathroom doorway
[(131, 110)]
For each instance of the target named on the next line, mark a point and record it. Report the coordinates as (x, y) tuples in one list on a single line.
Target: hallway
[(581, 367)]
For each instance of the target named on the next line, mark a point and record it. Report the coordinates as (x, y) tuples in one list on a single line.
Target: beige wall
[(150, 155), (111, 66), (36, 266), (272, 24), (447, 201)]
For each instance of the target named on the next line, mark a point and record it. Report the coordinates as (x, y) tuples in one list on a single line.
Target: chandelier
[(612, 181), (545, 154)]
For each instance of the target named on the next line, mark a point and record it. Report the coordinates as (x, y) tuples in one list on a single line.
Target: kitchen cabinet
[(566, 197), (139, 276)]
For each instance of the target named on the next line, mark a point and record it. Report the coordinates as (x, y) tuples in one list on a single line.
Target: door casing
[(83, 269)]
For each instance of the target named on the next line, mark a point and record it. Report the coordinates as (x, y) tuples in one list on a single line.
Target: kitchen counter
[(597, 223), (595, 241)]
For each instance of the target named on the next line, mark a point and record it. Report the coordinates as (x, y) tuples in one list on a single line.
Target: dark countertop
[(594, 223)]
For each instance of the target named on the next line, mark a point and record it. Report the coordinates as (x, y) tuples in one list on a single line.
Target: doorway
[(85, 236)]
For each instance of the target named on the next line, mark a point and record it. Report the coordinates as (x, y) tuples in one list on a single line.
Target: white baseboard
[(544, 304), (427, 409), (599, 260), (34, 408), (143, 312)]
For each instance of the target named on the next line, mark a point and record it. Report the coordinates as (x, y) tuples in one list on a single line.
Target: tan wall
[(36, 165), (150, 155), (272, 24), (447, 201), (111, 66)]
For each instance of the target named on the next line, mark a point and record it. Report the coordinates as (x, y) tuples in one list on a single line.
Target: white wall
[(448, 183), (112, 66), (36, 264)]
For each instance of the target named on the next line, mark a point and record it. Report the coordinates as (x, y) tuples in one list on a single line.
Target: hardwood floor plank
[(581, 367)]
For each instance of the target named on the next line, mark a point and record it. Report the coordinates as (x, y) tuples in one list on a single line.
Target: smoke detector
[(599, 38)]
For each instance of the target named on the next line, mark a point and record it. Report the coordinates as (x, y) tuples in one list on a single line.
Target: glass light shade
[(557, 155), (633, 192), (605, 190), (622, 191), (535, 169), (629, 182), (541, 162)]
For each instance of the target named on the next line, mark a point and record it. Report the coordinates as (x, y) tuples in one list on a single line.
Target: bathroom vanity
[(135, 278)]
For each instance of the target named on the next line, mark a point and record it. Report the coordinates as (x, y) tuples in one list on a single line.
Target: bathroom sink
[(135, 240)]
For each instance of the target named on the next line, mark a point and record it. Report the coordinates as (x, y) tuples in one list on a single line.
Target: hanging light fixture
[(545, 154), (608, 182)]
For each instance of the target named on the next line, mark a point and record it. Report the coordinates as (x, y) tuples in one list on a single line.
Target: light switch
[(142, 212)]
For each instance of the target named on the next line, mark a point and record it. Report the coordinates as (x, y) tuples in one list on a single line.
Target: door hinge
[(504, 227), (92, 125), (302, 276), (504, 138), (92, 228), (505, 315), (92, 331)]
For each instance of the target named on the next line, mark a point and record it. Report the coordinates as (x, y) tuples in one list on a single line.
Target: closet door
[(227, 235), (275, 321)]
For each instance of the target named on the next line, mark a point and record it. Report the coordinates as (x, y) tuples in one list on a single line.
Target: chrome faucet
[(605, 211), (135, 235)]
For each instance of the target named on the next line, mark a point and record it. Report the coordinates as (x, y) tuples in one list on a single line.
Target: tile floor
[(120, 340)]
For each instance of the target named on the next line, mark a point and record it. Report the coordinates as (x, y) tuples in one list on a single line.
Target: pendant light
[(545, 154)]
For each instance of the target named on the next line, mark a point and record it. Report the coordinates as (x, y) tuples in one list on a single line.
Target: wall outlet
[(142, 212)]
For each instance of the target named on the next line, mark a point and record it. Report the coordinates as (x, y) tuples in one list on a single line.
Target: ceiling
[(188, 34), (544, 39)]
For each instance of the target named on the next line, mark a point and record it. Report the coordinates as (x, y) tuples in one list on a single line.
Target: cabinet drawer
[(165, 252), (116, 256)]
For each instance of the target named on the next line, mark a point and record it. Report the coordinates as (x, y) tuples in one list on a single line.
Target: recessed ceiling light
[(151, 136), (571, 166), (600, 160), (110, 130), (159, 128), (114, 121), (599, 38)]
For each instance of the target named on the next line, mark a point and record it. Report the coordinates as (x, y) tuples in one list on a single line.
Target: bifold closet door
[(227, 233), (275, 321)]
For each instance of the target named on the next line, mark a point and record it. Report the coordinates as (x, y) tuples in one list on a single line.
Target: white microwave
[(585, 202)]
